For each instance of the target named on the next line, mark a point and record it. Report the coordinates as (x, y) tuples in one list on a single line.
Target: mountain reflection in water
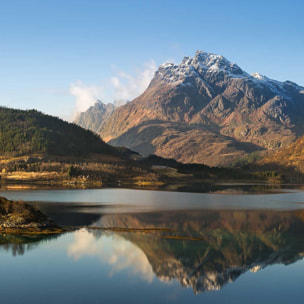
[(202, 249), (207, 249)]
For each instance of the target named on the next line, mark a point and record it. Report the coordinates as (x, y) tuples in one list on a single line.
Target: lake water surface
[(159, 247)]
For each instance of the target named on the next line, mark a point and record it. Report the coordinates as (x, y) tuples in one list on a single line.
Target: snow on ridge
[(207, 61), (166, 65), (257, 75), (199, 65), (218, 62), (171, 73), (204, 63), (275, 86)]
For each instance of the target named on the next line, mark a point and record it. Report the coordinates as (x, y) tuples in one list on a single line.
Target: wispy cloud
[(85, 95), (127, 86), (121, 86)]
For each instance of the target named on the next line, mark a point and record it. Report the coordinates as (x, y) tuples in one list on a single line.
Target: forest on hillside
[(26, 132)]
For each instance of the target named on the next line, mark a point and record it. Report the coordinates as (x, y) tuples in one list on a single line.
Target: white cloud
[(85, 95), (121, 86), (128, 87), (115, 81)]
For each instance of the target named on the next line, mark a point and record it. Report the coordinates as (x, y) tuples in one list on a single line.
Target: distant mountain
[(95, 117), (208, 110), (28, 132)]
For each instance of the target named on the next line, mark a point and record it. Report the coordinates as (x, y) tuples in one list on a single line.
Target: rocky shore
[(18, 217)]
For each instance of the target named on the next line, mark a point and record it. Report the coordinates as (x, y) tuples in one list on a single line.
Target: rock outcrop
[(18, 217)]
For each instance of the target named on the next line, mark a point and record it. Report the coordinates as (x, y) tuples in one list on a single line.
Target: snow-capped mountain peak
[(209, 68), (214, 62), (199, 66)]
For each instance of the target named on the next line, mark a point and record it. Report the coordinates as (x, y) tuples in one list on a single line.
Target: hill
[(208, 110), (30, 132)]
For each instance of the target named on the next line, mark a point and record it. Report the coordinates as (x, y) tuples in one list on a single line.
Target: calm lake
[(234, 245)]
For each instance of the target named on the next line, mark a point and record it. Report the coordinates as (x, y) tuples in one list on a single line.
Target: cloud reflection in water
[(111, 249)]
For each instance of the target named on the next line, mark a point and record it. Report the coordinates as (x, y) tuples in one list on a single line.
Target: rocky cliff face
[(95, 117), (208, 110)]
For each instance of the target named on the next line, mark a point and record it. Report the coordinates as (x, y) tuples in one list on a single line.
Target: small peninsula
[(17, 217)]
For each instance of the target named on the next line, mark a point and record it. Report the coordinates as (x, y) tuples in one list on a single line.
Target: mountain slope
[(208, 110), (27, 132), (290, 157)]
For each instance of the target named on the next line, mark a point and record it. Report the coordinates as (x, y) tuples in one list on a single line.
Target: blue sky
[(58, 56)]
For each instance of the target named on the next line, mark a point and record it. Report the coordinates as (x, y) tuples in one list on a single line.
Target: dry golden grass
[(8, 159), (27, 176), (155, 183), (97, 170)]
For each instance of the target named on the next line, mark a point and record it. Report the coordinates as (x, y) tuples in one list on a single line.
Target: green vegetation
[(247, 159), (29, 132), (73, 171), (268, 175), (197, 171)]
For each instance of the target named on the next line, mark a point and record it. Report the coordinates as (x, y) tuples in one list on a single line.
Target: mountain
[(95, 117), (208, 110), (28, 132)]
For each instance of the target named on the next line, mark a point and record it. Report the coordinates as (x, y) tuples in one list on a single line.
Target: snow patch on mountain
[(257, 76), (205, 65)]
